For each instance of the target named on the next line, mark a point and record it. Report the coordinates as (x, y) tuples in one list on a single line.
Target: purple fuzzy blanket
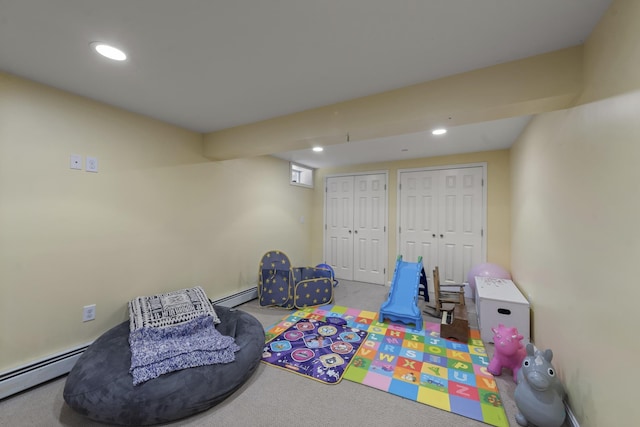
[(156, 351)]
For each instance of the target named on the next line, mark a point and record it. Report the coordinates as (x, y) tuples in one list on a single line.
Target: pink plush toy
[(509, 351)]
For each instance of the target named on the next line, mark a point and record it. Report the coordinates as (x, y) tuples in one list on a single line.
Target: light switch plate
[(92, 164), (75, 161), (88, 312)]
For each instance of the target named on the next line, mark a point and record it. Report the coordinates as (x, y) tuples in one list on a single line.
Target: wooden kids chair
[(445, 294)]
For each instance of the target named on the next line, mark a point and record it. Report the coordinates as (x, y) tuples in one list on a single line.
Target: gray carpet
[(273, 397)]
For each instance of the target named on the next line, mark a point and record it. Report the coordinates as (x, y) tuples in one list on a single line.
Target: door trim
[(386, 214), (483, 165)]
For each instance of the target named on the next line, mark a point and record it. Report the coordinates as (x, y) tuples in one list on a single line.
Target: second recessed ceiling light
[(109, 51)]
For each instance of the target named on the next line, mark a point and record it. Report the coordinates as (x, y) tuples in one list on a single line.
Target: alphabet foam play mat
[(415, 364)]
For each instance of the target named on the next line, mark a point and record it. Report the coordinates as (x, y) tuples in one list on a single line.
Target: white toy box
[(499, 301)]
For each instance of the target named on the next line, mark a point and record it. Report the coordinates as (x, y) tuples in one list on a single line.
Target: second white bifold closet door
[(441, 218)]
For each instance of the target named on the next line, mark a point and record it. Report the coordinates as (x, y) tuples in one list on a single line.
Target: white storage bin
[(499, 301)]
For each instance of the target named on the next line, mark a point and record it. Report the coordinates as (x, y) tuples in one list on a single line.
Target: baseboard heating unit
[(39, 372), (54, 366), (238, 298), (571, 419)]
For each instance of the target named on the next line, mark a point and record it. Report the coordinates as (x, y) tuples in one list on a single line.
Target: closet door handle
[(356, 231), (433, 235), (349, 231), (441, 236)]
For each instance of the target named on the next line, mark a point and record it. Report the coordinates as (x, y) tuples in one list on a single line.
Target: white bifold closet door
[(441, 218), (355, 229)]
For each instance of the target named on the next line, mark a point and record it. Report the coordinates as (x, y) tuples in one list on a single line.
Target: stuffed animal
[(539, 392), (509, 351)]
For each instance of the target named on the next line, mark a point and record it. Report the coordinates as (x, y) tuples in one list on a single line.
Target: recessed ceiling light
[(439, 131), (318, 149), (109, 51)]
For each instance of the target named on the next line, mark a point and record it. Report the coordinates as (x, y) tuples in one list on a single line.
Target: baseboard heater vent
[(571, 418), (39, 372), (36, 373), (238, 298)]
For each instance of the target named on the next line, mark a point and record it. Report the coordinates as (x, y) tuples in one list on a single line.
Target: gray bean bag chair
[(101, 388)]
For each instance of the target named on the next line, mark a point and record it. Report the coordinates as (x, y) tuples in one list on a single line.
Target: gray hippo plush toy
[(539, 393)]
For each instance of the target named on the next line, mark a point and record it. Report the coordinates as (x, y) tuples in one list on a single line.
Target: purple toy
[(509, 351)]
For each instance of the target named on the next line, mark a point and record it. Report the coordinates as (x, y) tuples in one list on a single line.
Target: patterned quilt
[(170, 308)]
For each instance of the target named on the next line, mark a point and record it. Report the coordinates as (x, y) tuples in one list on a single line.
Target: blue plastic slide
[(402, 304)]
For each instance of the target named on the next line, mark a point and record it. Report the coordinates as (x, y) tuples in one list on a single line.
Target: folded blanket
[(156, 351)]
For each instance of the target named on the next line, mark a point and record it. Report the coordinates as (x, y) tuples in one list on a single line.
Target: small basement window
[(301, 175)]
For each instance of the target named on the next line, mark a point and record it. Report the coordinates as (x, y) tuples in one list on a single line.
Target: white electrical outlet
[(75, 161), (88, 312), (92, 164)]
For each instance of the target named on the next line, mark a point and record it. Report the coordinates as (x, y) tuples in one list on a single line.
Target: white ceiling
[(207, 65)]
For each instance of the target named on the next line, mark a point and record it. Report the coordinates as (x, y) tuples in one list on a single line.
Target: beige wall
[(158, 216), (612, 53), (575, 236), (498, 201)]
